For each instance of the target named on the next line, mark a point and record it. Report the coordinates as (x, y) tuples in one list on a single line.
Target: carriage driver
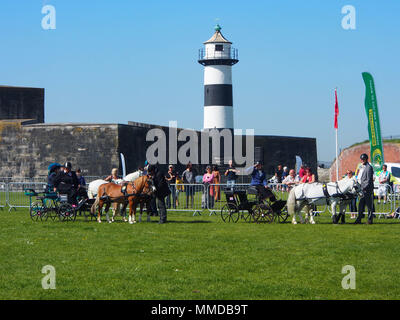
[(66, 182), (259, 181)]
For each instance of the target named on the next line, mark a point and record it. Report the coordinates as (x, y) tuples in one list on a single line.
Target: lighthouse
[(218, 57)]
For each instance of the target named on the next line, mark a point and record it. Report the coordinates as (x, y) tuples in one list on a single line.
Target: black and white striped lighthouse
[(218, 57)]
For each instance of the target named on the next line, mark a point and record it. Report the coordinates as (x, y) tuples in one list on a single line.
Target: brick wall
[(350, 157)]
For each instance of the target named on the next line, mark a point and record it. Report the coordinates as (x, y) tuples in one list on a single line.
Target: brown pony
[(113, 193)]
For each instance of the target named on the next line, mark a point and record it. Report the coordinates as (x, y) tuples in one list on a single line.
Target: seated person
[(81, 185), (66, 182), (113, 177), (291, 180), (259, 181), (308, 177), (51, 177)]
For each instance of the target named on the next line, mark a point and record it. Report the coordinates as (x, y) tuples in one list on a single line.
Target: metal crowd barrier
[(196, 198), (186, 197), (15, 197), (3, 195)]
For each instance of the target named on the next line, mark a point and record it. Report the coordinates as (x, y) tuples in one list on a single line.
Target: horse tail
[(94, 205), (291, 202)]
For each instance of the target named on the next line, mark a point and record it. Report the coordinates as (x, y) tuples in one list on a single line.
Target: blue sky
[(118, 61)]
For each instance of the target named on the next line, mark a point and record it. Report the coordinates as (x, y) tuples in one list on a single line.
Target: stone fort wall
[(28, 146)]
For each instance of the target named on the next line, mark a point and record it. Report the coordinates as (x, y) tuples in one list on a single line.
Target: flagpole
[(337, 159), (336, 133)]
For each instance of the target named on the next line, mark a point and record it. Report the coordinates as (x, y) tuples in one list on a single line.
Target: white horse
[(307, 194), (93, 187)]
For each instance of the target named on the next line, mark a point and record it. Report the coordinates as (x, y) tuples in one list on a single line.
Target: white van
[(394, 169)]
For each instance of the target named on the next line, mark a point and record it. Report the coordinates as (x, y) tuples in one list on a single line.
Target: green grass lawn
[(197, 258)]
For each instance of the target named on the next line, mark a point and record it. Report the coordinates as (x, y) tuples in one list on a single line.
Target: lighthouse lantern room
[(218, 57)]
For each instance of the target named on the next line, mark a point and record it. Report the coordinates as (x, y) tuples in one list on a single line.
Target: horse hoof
[(312, 222), (110, 221), (99, 221), (294, 222), (130, 222), (134, 221)]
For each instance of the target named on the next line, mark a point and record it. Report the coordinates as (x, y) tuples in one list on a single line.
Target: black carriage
[(238, 206)]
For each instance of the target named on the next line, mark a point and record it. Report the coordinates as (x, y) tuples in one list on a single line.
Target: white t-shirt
[(384, 175), (360, 172), (290, 179)]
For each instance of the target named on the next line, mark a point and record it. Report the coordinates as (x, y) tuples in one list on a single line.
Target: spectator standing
[(384, 178), (231, 175), (353, 202), (216, 182), (279, 173), (188, 177), (208, 179), (179, 188), (171, 179)]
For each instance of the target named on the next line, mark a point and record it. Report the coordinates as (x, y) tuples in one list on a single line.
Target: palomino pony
[(93, 187), (307, 194), (131, 193)]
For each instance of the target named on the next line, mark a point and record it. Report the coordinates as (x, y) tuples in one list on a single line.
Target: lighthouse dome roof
[(217, 36)]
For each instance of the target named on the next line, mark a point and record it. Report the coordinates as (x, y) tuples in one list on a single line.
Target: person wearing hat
[(161, 192), (259, 180), (66, 182), (366, 179), (51, 177)]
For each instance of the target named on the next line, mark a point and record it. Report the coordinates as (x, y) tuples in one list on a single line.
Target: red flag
[(336, 110)]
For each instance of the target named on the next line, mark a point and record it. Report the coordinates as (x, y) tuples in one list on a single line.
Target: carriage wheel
[(37, 212), (66, 212), (230, 213), (263, 213), (248, 215), (282, 216)]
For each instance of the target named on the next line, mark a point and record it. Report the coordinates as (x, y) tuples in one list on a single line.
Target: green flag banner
[(374, 128)]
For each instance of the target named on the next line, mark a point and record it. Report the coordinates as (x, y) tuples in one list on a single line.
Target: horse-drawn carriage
[(238, 205), (49, 205)]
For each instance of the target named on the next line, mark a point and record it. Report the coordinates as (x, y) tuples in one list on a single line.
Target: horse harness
[(126, 195), (338, 194)]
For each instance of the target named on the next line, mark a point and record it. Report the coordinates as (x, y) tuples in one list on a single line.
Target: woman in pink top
[(208, 179), (308, 177)]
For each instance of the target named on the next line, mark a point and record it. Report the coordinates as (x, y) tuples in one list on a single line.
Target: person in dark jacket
[(51, 178), (366, 179), (66, 182), (259, 181), (162, 191)]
